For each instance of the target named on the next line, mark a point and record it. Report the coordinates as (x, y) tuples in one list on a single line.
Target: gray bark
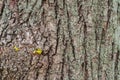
[(79, 39)]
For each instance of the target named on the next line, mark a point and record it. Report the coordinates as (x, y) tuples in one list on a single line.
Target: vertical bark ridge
[(78, 39), (99, 55)]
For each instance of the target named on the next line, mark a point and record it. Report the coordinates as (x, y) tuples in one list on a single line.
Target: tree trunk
[(79, 39)]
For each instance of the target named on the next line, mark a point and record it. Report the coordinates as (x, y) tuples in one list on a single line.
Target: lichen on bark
[(79, 39)]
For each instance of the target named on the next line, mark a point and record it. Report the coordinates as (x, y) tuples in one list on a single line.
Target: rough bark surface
[(80, 39)]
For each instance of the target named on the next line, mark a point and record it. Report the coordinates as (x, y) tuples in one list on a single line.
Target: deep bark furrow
[(108, 14), (69, 70), (96, 39), (70, 34), (2, 9), (99, 65), (99, 54), (91, 65), (43, 16), (78, 38), (56, 9), (57, 40), (2, 32), (113, 50), (85, 52), (116, 65), (63, 61), (29, 15)]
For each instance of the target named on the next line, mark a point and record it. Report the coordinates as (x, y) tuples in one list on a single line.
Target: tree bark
[(79, 39)]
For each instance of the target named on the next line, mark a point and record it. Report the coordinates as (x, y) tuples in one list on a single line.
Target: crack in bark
[(108, 14), (56, 9), (20, 75), (69, 70), (70, 35), (63, 61), (29, 14), (113, 48), (91, 65), (43, 16), (57, 40), (85, 52), (3, 31), (2, 9), (116, 65), (79, 9)]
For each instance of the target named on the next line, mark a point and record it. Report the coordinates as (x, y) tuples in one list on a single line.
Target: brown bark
[(79, 39)]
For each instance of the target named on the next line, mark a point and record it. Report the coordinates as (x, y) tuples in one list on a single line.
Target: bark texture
[(80, 39)]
